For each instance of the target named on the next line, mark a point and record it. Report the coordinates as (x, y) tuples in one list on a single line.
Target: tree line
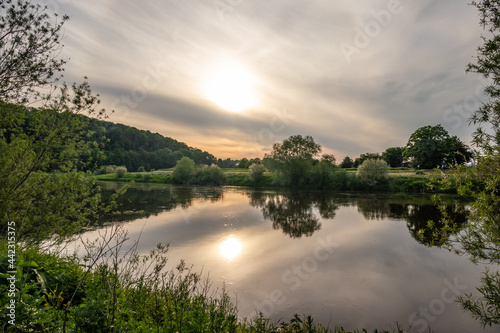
[(427, 148)]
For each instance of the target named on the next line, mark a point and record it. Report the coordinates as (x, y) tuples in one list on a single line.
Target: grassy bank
[(399, 180), (123, 294)]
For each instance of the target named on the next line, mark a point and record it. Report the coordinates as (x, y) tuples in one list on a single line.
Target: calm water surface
[(347, 259)]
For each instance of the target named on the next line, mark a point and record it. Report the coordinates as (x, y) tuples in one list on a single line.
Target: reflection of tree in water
[(418, 214), (293, 212), (144, 200)]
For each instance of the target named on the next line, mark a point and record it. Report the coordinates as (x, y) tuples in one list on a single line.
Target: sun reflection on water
[(230, 248)]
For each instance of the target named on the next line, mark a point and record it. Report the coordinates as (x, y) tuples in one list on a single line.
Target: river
[(355, 260)]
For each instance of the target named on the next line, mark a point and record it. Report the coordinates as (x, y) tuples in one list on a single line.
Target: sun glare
[(230, 248), (231, 86)]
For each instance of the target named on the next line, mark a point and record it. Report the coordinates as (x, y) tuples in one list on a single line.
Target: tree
[(364, 157), (373, 172), (183, 171), (243, 164), (347, 162), (431, 146), (256, 172), (293, 158), (393, 156), (33, 141), (29, 50)]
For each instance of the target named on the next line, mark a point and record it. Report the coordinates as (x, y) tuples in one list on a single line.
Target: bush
[(373, 172), (106, 169), (121, 171), (183, 172), (212, 175), (141, 169), (256, 172)]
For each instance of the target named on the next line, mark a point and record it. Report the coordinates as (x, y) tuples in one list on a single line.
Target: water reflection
[(354, 250), (145, 200), (297, 214), (293, 212), (230, 248)]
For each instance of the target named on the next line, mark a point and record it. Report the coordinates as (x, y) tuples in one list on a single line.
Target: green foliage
[(141, 169), (480, 239), (183, 171), (256, 172), (209, 175), (29, 49), (121, 171), (486, 307), (293, 158), (373, 172), (393, 156), (51, 138), (487, 64), (364, 157), (347, 163), (431, 147), (43, 204)]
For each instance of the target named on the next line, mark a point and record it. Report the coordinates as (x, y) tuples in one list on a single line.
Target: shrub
[(121, 171), (373, 172), (183, 171), (210, 175), (105, 169), (256, 172), (141, 169)]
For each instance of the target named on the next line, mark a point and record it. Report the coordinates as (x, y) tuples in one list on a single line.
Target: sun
[(230, 248), (231, 86)]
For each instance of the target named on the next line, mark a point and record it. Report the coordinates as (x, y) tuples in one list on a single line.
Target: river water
[(355, 260)]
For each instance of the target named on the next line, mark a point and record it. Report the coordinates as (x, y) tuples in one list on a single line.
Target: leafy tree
[(324, 172), (51, 138), (460, 153), (293, 159), (373, 171), (393, 156), (183, 171), (431, 146), (209, 175), (256, 172), (243, 164), (347, 162), (29, 48), (364, 157)]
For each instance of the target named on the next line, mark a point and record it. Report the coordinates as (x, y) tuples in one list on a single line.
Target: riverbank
[(399, 180)]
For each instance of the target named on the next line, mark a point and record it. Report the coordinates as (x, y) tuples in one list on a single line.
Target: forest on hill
[(109, 143)]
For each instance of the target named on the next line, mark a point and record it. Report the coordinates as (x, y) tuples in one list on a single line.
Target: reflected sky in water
[(352, 260)]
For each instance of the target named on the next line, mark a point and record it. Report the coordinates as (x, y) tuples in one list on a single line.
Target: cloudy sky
[(234, 76)]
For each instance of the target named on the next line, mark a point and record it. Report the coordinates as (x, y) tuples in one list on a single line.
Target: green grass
[(400, 180)]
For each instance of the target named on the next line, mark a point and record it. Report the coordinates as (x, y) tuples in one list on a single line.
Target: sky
[(232, 77)]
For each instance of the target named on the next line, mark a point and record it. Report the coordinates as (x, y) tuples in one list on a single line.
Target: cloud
[(409, 74)]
